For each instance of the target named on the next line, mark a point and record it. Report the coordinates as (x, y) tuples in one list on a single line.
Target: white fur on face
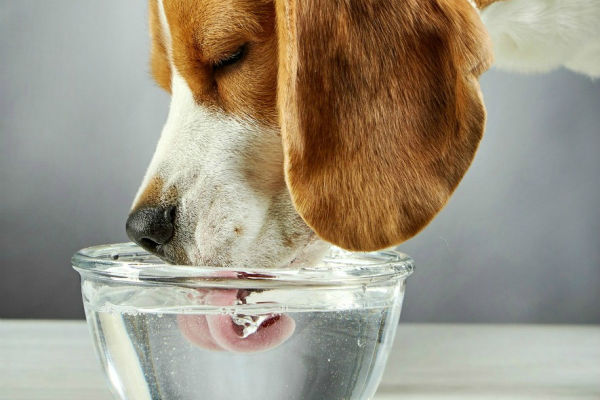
[(541, 35), (233, 207)]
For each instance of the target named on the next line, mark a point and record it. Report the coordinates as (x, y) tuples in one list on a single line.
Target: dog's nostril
[(148, 244), (170, 213), (151, 227)]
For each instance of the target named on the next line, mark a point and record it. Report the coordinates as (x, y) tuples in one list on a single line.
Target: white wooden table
[(44, 360)]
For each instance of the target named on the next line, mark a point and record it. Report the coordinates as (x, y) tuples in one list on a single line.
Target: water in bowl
[(313, 332), (337, 354)]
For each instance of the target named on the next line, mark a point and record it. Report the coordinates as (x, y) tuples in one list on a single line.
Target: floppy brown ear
[(380, 110)]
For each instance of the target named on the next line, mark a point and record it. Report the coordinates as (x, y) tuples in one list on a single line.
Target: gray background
[(79, 119)]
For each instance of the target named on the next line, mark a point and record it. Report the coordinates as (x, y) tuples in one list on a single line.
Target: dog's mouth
[(237, 333), (240, 333), (243, 333), (308, 253)]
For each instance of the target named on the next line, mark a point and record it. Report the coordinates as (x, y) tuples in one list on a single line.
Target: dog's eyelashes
[(232, 58)]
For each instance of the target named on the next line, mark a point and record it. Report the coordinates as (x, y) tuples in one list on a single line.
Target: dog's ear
[(380, 110)]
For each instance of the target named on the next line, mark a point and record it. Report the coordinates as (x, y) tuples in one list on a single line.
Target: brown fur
[(380, 110), (377, 100), (484, 3), (159, 62), (204, 32)]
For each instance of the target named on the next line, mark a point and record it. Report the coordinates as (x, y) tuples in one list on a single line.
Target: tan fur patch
[(159, 61)]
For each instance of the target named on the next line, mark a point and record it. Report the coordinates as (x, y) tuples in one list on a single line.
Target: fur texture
[(379, 123), (381, 119), (352, 119), (541, 35), (219, 158)]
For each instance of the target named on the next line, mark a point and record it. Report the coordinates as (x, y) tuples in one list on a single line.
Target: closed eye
[(231, 59)]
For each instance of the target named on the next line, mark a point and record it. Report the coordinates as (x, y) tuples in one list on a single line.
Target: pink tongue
[(220, 332), (195, 329)]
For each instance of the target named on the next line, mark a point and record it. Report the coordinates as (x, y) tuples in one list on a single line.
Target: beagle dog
[(297, 123)]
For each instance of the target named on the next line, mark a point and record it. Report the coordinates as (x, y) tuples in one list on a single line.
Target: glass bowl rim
[(338, 268)]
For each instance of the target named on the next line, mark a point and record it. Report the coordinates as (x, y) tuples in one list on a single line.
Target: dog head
[(351, 120)]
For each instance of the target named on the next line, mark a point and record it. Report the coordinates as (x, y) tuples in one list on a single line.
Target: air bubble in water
[(251, 323)]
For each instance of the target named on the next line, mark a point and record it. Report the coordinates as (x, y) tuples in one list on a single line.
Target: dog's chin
[(305, 254)]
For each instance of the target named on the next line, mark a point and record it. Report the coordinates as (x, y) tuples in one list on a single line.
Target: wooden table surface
[(54, 360)]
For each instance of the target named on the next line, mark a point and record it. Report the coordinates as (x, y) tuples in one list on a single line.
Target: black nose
[(151, 227)]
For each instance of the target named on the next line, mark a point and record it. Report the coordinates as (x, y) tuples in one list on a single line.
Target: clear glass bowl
[(179, 332)]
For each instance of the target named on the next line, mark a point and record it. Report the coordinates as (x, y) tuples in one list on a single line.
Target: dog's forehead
[(212, 26), (192, 35)]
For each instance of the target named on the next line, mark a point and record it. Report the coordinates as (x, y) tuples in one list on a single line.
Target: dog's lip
[(160, 250), (168, 254), (162, 254)]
